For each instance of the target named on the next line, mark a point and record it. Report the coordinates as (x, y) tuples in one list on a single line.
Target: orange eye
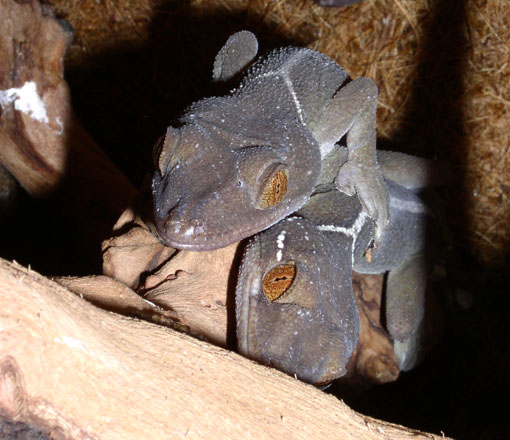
[(274, 190), (278, 280)]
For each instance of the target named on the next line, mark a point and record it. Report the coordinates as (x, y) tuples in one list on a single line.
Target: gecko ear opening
[(278, 281)]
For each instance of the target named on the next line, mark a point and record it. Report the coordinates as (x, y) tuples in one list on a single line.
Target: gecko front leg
[(352, 110)]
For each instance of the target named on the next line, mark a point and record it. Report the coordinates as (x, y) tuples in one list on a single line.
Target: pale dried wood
[(80, 372), (106, 293), (132, 250), (196, 286), (112, 295)]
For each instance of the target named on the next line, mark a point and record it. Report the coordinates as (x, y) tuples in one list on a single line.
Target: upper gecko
[(295, 305), (240, 163)]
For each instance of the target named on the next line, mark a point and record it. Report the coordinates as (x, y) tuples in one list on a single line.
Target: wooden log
[(373, 360), (76, 371), (133, 250)]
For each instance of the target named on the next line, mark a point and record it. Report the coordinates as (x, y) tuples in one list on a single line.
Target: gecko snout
[(175, 224), (180, 231)]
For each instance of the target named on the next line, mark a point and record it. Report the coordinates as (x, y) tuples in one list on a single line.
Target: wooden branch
[(44, 146), (373, 360), (71, 369)]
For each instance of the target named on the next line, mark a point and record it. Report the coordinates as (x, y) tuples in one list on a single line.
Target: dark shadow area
[(231, 296), (434, 121), (457, 388), (35, 239), (10, 430)]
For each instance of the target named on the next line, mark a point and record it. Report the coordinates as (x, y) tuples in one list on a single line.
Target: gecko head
[(291, 315), (212, 188)]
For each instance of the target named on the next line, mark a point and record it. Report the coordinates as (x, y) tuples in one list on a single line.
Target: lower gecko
[(295, 305)]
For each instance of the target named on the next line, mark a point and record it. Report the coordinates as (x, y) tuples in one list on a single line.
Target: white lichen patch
[(26, 100)]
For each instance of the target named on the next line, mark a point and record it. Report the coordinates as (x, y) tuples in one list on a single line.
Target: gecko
[(295, 305), (235, 165)]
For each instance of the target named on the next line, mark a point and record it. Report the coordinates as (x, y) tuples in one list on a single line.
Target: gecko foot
[(368, 183)]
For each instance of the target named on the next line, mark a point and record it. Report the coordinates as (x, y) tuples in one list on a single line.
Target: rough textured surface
[(311, 327), (263, 145), (196, 290), (144, 381)]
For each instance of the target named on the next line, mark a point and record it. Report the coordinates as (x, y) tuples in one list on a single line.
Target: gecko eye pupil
[(274, 190), (278, 280)]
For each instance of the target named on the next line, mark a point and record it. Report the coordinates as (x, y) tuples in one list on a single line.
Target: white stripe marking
[(280, 245), (351, 232), (295, 98)]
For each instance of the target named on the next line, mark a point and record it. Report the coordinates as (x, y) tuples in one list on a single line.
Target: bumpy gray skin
[(287, 114), (311, 331)]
